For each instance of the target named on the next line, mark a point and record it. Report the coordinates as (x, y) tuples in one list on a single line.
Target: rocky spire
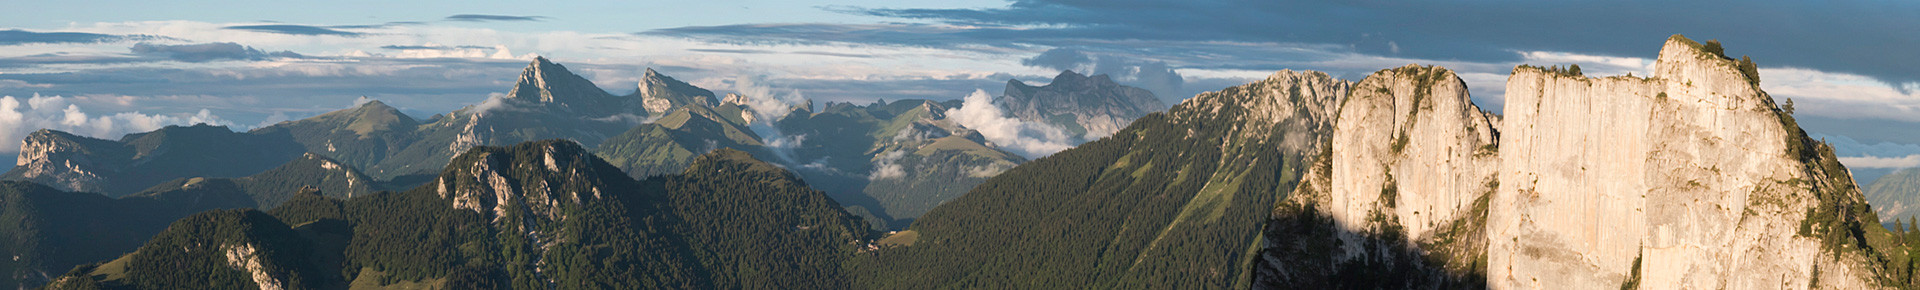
[(660, 93), (548, 82)]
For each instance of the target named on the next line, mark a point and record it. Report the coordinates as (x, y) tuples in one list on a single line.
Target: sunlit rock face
[(1688, 178), (1398, 198), (1411, 144)]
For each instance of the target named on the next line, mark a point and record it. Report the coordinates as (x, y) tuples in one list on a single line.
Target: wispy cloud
[(431, 47), (1881, 162), (374, 26), (485, 17), (19, 37), (208, 52), (293, 29)]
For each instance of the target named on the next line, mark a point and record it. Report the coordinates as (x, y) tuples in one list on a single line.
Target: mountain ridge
[(1090, 107)]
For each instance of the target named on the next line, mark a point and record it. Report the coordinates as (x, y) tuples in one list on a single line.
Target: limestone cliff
[(1690, 178), (1410, 163)]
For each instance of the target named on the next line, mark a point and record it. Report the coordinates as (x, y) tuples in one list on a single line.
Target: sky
[(106, 68)]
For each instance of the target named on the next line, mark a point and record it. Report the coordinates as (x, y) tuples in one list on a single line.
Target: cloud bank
[(886, 165), (20, 117), (1881, 162), (208, 52), (1856, 154), (20, 37), (1033, 140), (768, 104), (291, 29), (484, 18)]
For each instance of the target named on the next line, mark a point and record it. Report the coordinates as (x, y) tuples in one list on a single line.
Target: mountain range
[(889, 162), (539, 214), (1690, 177)]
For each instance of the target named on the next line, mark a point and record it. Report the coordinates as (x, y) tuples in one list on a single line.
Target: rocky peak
[(537, 180), (64, 161), (547, 82), (660, 93), (1309, 95), (1687, 64), (734, 99), (1070, 80), (1089, 106)]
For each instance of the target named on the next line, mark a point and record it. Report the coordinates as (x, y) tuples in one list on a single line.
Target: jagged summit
[(548, 82), (1086, 106), (542, 178), (1072, 80), (660, 93)]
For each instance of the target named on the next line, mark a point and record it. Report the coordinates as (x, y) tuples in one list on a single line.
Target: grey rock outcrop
[(659, 93), (1090, 107)]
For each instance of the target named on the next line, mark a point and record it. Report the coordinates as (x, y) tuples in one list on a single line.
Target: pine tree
[(1900, 227), (1912, 230), (1748, 69), (1713, 47)]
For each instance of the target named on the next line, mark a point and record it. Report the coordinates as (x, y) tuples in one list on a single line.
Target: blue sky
[(104, 68)]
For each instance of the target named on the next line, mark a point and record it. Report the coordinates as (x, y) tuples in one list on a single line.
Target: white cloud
[(1841, 95), (885, 166), (989, 170), (1033, 140), (627, 118), (783, 144), (768, 104), (1879, 155), (21, 84), (1881, 162), (494, 101), (17, 119), (276, 118), (1594, 65), (1846, 146), (435, 51)]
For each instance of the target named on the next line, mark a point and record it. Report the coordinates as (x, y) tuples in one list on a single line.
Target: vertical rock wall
[(1395, 201), (1685, 179), (1410, 143)]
